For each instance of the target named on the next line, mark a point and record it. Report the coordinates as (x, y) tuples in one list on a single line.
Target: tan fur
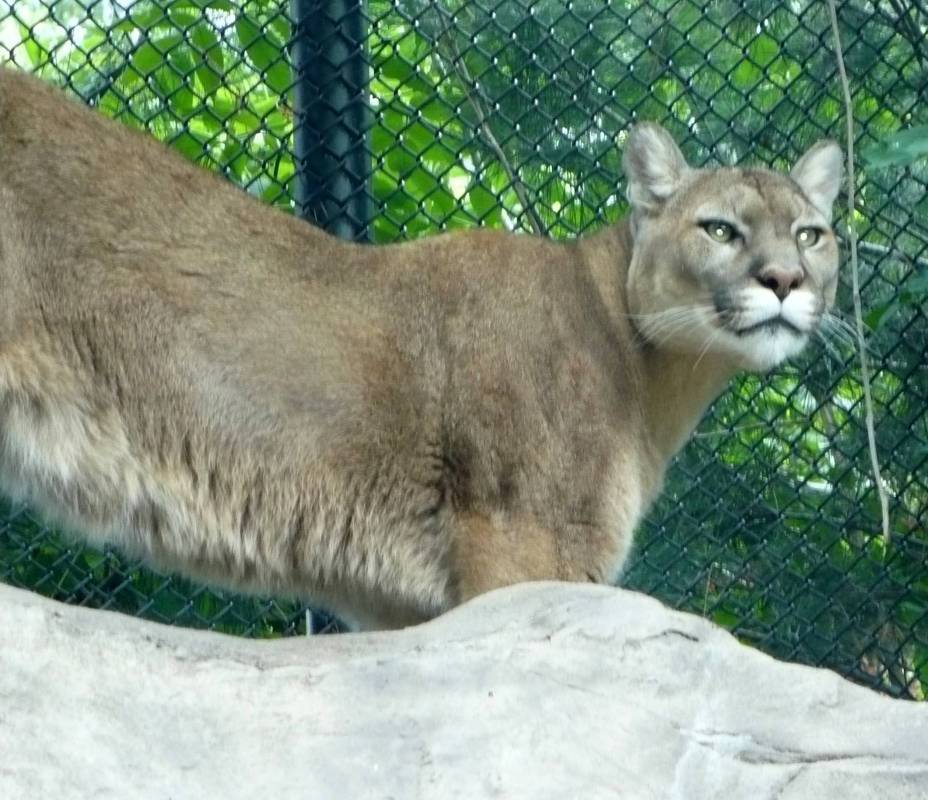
[(386, 431)]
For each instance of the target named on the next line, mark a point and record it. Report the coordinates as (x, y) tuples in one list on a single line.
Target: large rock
[(543, 691)]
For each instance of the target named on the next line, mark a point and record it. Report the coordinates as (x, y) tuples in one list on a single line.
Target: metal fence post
[(332, 153), (332, 115)]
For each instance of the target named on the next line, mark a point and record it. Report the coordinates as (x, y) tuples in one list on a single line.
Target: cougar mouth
[(771, 324), (747, 313)]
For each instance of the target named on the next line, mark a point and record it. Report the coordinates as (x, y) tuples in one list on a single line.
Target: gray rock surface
[(542, 691)]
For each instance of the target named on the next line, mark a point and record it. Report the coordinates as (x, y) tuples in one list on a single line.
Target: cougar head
[(735, 262)]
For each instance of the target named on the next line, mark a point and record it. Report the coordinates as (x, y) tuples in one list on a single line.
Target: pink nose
[(780, 280)]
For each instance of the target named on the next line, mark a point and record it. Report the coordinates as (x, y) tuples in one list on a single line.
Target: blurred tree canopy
[(512, 114)]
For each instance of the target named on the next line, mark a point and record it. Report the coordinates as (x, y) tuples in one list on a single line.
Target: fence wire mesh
[(397, 118)]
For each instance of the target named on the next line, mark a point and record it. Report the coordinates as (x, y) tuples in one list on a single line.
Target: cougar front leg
[(496, 550)]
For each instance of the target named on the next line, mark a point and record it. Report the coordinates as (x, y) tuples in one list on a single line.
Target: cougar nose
[(780, 280)]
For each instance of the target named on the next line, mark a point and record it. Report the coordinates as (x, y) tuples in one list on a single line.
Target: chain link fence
[(398, 118)]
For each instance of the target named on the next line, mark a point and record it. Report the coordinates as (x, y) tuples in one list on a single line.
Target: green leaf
[(484, 205), (183, 15), (725, 618), (231, 157), (419, 183), (418, 138), (212, 64), (764, 49), (182, 101), (147, 59), (38, 55), (399, 163), (266, 54), (189, 145), (396, 69), (146, 15), (874, 318), (900, 149), (917, 286), (438, 112), (224, 103), (912, 611), (746, 75), (384, 186), (93, 558), (441, 205), (412, 48), (278, 124), (245, 124)]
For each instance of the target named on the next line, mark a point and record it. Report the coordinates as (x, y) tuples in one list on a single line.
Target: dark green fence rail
[(402, 118)]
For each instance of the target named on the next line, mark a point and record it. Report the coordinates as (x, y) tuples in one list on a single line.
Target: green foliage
[(900, 149), (508, 115)]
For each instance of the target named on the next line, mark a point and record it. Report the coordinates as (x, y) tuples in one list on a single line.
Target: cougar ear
[(654, 166), (818, 174)]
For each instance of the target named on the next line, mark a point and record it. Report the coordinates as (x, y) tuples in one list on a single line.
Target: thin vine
[(855, 277)]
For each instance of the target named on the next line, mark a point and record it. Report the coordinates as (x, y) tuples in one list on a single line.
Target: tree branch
[(477, 103), (855, 277)]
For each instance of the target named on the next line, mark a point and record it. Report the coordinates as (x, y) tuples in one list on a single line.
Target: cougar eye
[(719, 231), (808, 236)]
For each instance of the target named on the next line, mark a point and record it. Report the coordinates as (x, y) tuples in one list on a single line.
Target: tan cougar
[(384, 431)]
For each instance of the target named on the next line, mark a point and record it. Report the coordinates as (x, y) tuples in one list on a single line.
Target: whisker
[(660, 326), (662, 334), (839, 329), (836, 334), (709, 341), (839, 323), (830, 349), (843, 331), (690, 307)]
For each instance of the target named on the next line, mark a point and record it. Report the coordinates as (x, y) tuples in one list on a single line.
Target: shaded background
[(392, 120)]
